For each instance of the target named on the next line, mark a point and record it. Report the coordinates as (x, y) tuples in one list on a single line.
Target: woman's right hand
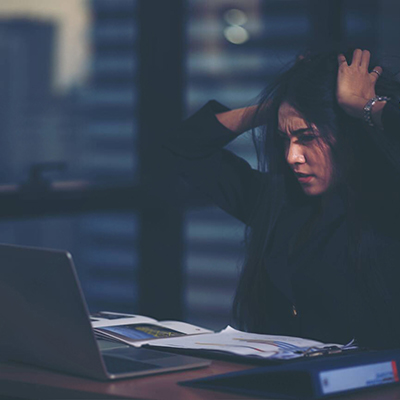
[(356, 85)]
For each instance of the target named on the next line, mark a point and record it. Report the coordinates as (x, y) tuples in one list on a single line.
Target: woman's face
[(307, 154)]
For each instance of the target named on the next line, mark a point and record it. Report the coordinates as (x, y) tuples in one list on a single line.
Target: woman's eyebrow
[(297, 132)]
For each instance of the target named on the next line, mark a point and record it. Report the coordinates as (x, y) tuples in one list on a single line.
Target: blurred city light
[(236, 34), (235, 17)]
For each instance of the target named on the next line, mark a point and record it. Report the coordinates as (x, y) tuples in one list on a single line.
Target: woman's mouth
[(304, 178)]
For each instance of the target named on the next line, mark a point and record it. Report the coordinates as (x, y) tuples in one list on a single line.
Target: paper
[(246, 344), (137, 330)]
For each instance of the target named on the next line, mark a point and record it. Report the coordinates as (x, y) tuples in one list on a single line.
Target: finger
[(365, 57), (356, 57), (376, 73), (341, 59)]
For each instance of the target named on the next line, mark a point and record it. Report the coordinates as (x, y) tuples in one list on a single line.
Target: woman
[(322, 211)]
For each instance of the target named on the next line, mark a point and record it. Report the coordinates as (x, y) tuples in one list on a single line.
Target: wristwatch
[(368, 107)]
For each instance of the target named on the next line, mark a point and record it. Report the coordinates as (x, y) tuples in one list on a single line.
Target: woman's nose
[(295, 155)]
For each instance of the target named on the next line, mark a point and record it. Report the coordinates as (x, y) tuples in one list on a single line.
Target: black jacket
[(315, 279)]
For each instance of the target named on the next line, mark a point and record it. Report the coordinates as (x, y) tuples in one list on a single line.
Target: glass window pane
[(103, 247), (234, 48), (68, 88), (68, 94)]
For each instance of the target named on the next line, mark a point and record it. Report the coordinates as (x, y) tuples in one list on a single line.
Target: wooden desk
[(25, 382), (35, 383)]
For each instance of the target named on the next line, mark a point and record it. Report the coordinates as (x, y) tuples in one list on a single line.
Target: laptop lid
[(45, 319)]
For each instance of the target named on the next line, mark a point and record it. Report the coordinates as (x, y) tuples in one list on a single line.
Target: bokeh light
[(236, 34), (235, 17)]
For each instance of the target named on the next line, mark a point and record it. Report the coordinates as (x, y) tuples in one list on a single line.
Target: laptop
[(45, 322)]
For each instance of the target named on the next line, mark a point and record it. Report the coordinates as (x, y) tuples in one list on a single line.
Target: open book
[(137, 331)]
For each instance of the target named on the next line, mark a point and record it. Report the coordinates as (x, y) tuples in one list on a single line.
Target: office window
[(68, 80), (109, 100), (108, 142), (234, 48)]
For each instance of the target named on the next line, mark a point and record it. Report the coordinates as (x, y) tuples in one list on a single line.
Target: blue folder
[(312, 378)]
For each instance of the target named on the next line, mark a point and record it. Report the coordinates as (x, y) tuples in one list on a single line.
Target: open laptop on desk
[(45, 321)]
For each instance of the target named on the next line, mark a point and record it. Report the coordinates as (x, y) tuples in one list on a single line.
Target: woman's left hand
[(356, 85)]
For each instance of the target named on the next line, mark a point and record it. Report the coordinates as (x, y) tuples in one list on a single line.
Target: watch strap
[(368, 108)]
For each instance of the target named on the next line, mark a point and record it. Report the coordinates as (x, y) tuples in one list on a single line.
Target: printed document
[(246, 344)]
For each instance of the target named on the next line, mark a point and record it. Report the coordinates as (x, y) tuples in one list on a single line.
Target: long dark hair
[(310, 87)]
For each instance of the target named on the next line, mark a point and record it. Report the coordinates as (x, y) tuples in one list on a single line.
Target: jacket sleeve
[(198, 150), (391, 126), (391, 120)]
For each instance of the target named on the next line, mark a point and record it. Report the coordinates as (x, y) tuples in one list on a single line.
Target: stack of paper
[(245, 344)]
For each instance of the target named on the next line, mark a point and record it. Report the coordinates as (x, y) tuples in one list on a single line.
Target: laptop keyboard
[(132, 359), (119, 365)]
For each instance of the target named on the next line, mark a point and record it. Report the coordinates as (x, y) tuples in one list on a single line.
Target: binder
[(310, 379)]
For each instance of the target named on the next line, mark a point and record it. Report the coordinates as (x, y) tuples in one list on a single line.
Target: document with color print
[(137, 330), (234, 342)]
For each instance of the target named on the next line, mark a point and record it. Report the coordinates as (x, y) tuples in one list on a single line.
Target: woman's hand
[(355, 85), (241, 119)]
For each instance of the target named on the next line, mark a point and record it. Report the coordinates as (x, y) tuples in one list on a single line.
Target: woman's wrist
[(373, 111), (357, 109), (239, 120)]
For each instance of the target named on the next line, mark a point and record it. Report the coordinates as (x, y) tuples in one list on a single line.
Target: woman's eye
[(307, 138)]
